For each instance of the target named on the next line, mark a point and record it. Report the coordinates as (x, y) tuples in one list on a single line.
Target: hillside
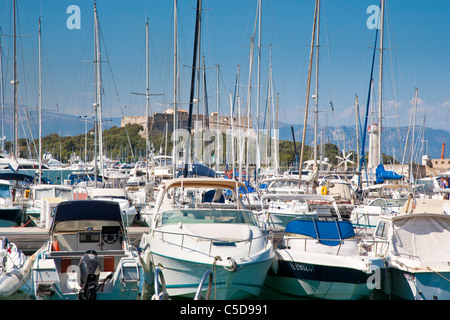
[(344, 137)]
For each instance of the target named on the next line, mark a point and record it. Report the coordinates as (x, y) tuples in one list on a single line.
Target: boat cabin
[(83, 225)]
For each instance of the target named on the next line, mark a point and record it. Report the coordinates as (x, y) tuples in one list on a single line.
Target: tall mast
[(194, 62), (380, 101), (16, 131), (217, 157), (302, 150), (175, 81), (147, 81), (249, 90), (2, 97), (258, 98), (316, 108), (411, 176), (40, 104), (98, 103)]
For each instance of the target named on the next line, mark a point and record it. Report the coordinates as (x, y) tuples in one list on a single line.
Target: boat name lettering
[(302, 266)]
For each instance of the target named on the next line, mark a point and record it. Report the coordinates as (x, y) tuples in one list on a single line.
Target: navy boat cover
[(87, 210), (328, 232)]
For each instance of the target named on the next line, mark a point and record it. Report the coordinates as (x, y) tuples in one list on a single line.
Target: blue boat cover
[(209, 196), (87, 210), (328, 232), (199, 169), (382, 174)]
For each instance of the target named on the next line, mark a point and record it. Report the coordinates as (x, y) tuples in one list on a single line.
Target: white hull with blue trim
[(320, 259), (321, 276), (188, 239)]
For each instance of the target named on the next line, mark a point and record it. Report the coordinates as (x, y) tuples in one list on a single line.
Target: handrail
[(198, 294), (160, 277), (211, 240)]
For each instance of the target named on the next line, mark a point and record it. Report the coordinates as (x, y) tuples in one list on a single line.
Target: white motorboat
[(366, 216), (196, 229), (51, 192), (320, 259), (11, 215), (415, 246), (118, 195), (282, 208), (88, 255), (15, 268)]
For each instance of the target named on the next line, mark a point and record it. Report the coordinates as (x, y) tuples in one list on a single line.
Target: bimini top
[(328, 232), (87, 210), (202, 182)]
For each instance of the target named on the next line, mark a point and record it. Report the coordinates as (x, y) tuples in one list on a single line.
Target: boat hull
[(342, 278), (423, 285), (11, 217), (183, 277)]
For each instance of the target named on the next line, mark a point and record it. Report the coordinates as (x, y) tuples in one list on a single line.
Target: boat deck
[(29, 240)]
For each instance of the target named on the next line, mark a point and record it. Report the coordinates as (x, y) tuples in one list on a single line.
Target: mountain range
[(344, 137)]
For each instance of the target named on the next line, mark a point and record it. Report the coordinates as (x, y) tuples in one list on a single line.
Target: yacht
[(88, 255), (200, 224)]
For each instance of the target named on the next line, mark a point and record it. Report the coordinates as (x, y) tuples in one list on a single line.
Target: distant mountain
[(52, 122), (344, 137), (393, 139)]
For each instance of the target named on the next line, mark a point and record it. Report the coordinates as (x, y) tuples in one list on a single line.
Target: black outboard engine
[(89, 274)]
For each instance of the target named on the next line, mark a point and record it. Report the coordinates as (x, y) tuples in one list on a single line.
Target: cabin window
[(4, 191), (382, 230)]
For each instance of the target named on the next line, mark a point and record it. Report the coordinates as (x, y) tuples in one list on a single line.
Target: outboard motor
[(89, 274)]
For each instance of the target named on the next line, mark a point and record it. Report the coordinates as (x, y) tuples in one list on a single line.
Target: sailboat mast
[(258, 98), (249, 90), (40, 105), (2, 97), (302, 150), (217, 153), (98, 102), (175, 81), (147, 82), (380, 93), (16, 129), (316, 107), (191, 99), (411, 176)]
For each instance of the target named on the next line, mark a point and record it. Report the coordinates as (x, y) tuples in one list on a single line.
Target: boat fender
[(55, 245), (324, 190)]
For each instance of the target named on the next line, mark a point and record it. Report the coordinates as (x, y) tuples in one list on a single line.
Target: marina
[(195, 195)]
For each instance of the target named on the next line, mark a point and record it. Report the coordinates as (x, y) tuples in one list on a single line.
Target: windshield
[(50, 193), (191, 216)]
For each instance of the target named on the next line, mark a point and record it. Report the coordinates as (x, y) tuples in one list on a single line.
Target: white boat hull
[(423, 285), (323, 276), (183, 278)]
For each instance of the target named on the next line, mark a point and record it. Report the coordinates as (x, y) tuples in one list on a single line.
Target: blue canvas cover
[(328, 232), (382, 174), (199, 169)]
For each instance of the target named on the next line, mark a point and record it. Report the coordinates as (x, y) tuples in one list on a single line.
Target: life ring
[(324, 190)]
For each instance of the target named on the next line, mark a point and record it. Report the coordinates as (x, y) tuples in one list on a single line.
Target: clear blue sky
[(417, 38)]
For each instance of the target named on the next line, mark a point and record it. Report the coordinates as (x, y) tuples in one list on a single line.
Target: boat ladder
[(198, 294), (160, 295)]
